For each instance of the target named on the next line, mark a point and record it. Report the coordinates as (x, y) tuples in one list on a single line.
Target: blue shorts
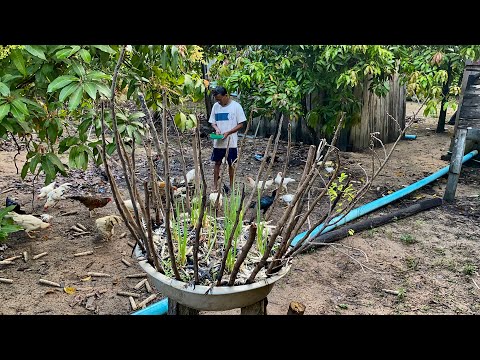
[(218, 154)]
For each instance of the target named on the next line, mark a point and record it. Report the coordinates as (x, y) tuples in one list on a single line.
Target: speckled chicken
[(105, 225)]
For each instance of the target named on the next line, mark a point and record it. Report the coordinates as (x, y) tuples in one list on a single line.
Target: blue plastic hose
[(374, 205)]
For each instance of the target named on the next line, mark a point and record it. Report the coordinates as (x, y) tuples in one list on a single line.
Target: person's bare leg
[(216, 174)]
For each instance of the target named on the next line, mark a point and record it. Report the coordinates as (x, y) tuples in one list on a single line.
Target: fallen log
[(343, 232)]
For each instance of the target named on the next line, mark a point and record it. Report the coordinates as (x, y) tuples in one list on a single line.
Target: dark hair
[(219, 90)]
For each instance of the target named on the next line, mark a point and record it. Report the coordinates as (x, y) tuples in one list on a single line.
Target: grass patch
[(408, 239), (469, 269), (412, 263)]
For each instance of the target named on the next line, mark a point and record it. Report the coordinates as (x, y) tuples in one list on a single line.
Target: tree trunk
[(445, 89)]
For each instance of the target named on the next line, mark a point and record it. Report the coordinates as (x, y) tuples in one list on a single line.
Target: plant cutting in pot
[(209, 247)]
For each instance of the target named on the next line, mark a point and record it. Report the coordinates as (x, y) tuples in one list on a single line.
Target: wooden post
[(296, 308), (259, 308), (455, 164), (175, 308)]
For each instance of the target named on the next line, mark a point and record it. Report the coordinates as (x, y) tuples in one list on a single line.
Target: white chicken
[(287, 198), (286, 180), (190, 176), (54, 196), (28, 222), (46, 189), (105, 225), (213, 199), (251, 183), (129, 204)]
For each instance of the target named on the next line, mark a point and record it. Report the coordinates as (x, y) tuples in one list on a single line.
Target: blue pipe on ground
[(158, 308), (410, 137), (161, 307), (374, 205)]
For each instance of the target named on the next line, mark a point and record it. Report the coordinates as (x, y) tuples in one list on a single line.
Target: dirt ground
[(424, 264)]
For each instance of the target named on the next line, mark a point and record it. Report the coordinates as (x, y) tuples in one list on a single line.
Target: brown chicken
[(91, 202)]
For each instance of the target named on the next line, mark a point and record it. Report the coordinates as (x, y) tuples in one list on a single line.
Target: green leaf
[(6, 210), (72, 156), (17, 114), (52, 132), (34, 162), (67, 52), (4, 89), (49, 170), (4, 110), (85, 55), (75, 98), (110, 148), (104, 90), (36, 50), (7, 125), (91, 89), (60, 82), (56, 161), (137, 115), (82, 160), (97, 75), (78, 68), (18, 61), (67, 90), (25, 169), (75, 48), (9, 77), (105, 48), (11, 228), (20, 105)]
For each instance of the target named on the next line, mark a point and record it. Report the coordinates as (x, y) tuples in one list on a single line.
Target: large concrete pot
[(219, 298)]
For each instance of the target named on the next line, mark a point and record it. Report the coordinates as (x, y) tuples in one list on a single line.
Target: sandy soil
[(428, 262)]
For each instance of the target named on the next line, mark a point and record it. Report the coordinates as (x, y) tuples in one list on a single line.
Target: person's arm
[(217, 130), (234, 130)]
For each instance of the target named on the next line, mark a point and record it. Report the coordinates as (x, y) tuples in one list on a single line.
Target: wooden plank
[(473, 134), (466, 73), (455, 164)]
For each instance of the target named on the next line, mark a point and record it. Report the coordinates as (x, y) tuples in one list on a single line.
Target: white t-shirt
[(226, 118)]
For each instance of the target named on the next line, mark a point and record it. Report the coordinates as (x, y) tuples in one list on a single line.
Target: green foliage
[(425, 70), (45, 89), (341, 188), (408, 239), (231, 205), (261, 238), (6, 224), (469, 269), (180, 233), (48, 89)]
